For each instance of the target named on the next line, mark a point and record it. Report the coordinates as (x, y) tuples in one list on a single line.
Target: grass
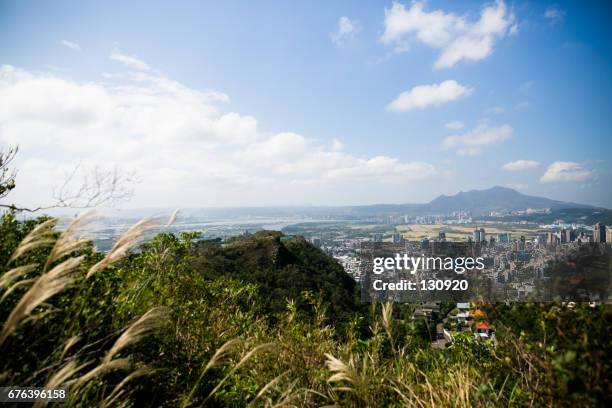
[(146, 329)]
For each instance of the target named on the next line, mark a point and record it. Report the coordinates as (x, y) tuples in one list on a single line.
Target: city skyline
[(343, 104)]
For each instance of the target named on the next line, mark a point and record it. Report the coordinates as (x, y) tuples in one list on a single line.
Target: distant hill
[(479, 202), (497, 198)]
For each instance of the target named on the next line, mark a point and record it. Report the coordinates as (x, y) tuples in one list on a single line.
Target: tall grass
[(61, 271), (145, 328)]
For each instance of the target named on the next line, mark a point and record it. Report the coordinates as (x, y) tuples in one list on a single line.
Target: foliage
[(264, 320)]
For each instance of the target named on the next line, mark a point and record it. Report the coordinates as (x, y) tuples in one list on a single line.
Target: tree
[(81, 188), (7, 176)]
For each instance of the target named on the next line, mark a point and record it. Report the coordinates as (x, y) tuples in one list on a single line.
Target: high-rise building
[(479, 235), (378, 237), (551, 238), (425, 243), (609, 235), (520, 244), (441, 236), (584, 238), (599, 233), (398, 238)]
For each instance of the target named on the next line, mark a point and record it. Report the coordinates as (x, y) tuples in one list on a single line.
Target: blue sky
[(244, 103)]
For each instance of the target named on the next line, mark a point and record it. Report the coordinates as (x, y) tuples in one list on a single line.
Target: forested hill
[(283, 267)]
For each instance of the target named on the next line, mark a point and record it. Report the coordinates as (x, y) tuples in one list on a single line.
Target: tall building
[(479, 235), (599, 233), (476, 236), (398, 238), (609, 235), (425, 243), (520, 244), (441, 236), (377, 237)]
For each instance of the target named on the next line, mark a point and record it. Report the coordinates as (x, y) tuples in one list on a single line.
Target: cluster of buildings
[(468, 318), (600, 234), (456, 217), (529, 211)]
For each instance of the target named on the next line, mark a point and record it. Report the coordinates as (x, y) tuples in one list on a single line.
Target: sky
[(244, 103)]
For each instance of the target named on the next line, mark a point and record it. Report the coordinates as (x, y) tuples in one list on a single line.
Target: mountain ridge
[(478, 202), (496, 198)]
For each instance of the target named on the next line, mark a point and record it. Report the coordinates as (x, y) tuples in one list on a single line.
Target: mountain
[(494, 199), (478, 202)]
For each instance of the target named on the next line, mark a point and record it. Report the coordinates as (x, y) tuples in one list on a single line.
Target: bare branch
[(7, 176), (81, 188), (95, 187)]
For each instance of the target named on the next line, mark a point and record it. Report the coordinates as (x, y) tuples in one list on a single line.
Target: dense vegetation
[(262, 320)]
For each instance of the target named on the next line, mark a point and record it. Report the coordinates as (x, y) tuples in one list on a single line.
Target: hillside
[(283, 268)]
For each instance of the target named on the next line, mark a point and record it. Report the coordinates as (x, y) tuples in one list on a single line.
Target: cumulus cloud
[(183, 147), (521, 165), (346, 31), (423, 96), (472, 142), (455, 36), (337, 145), (382, 168), (562, 171), (454, 125), (70, 44)]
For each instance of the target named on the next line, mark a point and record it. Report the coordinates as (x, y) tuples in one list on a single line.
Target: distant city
[(518, 244)]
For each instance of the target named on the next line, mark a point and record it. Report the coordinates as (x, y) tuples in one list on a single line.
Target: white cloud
[(454, 125), (554, 13), (423, 96), (337, 145), (562, 171), (521, 165), (183, 148), (469, 151), (346, 31), (382, 169), (72, 45), (471, 142), (455, 36), (128, 60), (495, 110)]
